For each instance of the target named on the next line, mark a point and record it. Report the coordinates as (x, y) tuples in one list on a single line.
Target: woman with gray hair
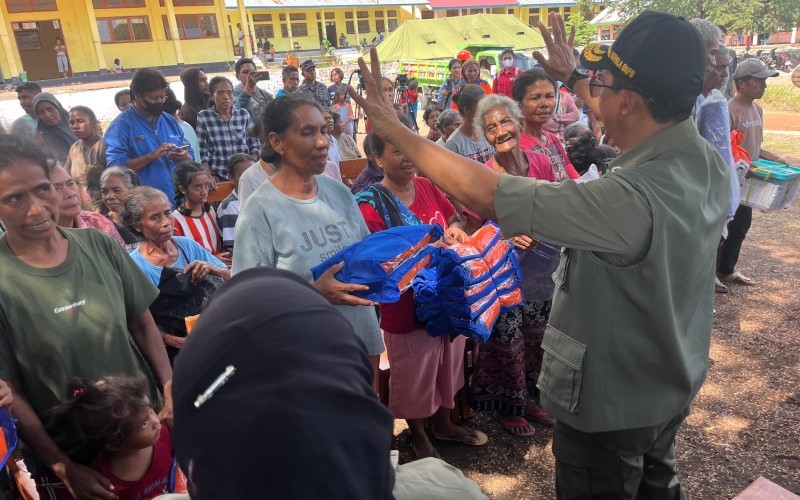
[(508, 364), (447, 123), (148, 213), (115, 186)]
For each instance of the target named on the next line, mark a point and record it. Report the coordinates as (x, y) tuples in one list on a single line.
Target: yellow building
[(140, 32), (96, 32)]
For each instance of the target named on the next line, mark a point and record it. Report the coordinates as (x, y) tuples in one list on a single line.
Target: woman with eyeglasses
[(195, 217), (536, 95)]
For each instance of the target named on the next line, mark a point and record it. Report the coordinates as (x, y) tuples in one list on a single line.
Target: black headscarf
[(194, 101), (58, 138), (298, 418)]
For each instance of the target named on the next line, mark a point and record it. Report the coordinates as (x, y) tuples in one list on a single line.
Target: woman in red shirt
[(536, 95), (427, 372)]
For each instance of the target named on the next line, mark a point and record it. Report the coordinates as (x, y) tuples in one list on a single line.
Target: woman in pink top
[(507, 365), (536, 95)]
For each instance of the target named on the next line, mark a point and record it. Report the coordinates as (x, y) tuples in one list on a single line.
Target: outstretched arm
[(469, 182)]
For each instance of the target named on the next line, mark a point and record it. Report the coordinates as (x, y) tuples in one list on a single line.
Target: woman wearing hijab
[(261, 385), (195, 94), (53, 128)]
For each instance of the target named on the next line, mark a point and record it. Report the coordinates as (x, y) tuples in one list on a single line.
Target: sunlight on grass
[(781, 97)]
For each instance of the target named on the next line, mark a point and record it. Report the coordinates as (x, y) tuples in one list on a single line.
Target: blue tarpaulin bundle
[(470, 286), (386, 261), (8, 436)]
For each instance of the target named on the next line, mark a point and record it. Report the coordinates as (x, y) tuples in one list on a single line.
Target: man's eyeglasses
[(595, 84), (155, 100)]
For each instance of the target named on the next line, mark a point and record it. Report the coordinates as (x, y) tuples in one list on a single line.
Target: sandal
[(720, 287), (737, 278), (516, 427), (478, 437), (541, 416)]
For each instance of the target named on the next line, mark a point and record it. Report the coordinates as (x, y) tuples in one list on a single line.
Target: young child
[(116, 422), (343, 109), (123, 100), (229, 207), (195, 217), (412, 95)]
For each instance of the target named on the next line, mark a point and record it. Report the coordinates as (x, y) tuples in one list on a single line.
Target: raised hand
[(560, 60), (376, 105)]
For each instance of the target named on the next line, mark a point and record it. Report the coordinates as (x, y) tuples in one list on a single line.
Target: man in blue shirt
[(144, 138)]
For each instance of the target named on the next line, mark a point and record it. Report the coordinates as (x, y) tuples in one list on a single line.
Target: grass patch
[(781, 98), (784, 145)]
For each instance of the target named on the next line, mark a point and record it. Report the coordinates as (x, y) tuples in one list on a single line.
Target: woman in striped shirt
[(195, 217)]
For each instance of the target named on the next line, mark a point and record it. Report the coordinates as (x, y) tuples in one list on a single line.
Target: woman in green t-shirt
[(78, 308)]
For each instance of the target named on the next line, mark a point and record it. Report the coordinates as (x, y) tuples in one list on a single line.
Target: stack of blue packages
[(470, 286), (8, 436), (386, 261)]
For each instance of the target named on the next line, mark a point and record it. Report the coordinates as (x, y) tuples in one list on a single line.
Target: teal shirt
[(630, 329), (24, 126)]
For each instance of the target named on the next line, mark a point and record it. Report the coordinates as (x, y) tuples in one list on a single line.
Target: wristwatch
[(577, 74)]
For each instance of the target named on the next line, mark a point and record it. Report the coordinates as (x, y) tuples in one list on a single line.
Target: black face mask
[(153, 108)]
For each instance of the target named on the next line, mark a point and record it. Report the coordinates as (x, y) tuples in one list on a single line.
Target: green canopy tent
[(441, 38)]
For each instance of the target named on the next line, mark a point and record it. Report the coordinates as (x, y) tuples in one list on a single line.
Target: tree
[(756, 16), (584, 31)]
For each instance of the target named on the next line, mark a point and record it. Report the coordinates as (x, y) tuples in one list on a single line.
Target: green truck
[(431, 74)]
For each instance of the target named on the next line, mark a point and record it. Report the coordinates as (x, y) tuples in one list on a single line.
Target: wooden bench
[(351, 168), (223, 190)]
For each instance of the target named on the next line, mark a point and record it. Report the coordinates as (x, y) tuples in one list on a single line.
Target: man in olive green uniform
[(627, 345)]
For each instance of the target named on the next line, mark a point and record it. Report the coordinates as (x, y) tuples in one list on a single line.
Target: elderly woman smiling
[(507, 365), (115, 185)]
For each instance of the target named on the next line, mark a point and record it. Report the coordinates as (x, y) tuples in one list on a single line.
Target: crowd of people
[(111, 242)]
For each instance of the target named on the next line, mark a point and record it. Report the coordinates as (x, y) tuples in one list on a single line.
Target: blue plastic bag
[(9, 437), (386, 261)]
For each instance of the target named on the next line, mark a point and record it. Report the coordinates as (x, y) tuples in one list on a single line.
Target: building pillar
[(251, 32), (9, 50), (98, 45), (173, 29), (611, 34), (755, 39), (246, 52), (355, 25), (793, 40)]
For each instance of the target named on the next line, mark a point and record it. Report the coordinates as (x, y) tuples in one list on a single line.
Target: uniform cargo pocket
[(560, 274), (562, 368)]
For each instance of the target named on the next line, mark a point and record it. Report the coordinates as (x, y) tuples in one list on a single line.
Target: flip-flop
[(435, 453), (542, 417), (512, 426), (480, 437)]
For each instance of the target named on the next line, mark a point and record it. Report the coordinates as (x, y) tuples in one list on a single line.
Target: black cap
[(308, 64), (660, 54)]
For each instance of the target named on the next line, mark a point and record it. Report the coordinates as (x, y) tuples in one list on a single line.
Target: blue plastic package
[(386, 261)]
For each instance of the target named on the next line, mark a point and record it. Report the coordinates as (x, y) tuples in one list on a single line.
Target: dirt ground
[(746, 420)]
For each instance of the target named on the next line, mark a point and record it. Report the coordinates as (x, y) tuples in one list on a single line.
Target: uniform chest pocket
[(562, 368), (560, 274)]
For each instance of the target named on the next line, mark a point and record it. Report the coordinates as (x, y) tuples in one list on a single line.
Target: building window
[(363, 26), (553, 10), (380, 26), (265, 31), (392, 24), (282, 17), (192, 27), (533, 19), (284, 31), (428, 14), (330, 15), (451, 13), (299, 29), (124, 29), (297, 17), (111, 4), (262, 18), (351, 27), (476, 11), (362, 14), (348, 15), (391, 13), (30, 5), (379, 13)]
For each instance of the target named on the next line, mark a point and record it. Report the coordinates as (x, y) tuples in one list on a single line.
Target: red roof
[(471, 4)]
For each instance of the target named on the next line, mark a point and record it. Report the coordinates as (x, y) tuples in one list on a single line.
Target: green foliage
[(584, 31), (755, 16)]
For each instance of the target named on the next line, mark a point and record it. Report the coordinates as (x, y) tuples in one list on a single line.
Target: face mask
[(154, 108), (507, 63)]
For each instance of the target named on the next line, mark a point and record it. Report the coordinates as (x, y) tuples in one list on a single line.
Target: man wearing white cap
[(750, 81)]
